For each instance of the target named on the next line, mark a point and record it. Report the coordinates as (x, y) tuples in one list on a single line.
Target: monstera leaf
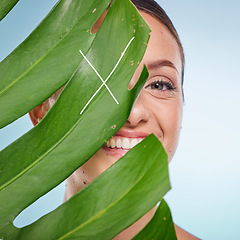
[(93, 106), (106, 206)]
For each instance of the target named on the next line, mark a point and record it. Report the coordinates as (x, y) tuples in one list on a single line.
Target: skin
[(158, 110)]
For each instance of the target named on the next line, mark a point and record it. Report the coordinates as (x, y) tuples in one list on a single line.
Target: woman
[(158, 109)]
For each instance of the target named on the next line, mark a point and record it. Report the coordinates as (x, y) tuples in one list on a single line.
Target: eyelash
[(165, 85)]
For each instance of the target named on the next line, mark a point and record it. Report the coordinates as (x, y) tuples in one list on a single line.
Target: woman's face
[(158, 109)]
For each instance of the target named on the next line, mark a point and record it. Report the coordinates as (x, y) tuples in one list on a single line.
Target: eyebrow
[(161, 63)]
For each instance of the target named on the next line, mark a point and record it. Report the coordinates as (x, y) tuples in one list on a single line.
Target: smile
[(122, 142), (125, 143)]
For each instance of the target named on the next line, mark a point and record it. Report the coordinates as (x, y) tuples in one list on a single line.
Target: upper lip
[(131, 134)]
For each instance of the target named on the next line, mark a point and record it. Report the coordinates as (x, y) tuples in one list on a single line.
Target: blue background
[(205, 170)]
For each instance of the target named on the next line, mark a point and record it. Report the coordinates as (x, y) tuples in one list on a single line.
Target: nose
[(139, 113)]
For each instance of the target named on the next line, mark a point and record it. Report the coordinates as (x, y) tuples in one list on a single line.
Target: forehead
[(162, 45)]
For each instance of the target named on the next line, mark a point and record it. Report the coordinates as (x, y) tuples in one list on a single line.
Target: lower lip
[(115, 152)]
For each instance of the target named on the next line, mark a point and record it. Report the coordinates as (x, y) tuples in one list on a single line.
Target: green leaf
[(70, 133), (112, 202), (6, 6), (160, 226), (65, 139), (46, 60)]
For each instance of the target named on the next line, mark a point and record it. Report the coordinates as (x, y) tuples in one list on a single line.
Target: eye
[(160, 85)]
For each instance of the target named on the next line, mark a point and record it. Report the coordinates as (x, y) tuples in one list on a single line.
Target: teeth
[(134, 142), (124, 143), (119, 143), (112, 142)]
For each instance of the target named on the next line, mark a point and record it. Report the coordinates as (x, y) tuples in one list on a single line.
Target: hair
[(152, 8)]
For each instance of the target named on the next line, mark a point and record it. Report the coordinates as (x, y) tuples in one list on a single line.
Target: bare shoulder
[(183, 235)]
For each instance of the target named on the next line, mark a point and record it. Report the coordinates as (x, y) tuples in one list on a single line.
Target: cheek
[(169, 119)]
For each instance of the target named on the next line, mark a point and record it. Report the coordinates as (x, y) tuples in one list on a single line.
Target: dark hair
[(152, 8)]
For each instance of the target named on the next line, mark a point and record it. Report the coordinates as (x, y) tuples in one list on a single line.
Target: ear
[(37, 114)]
